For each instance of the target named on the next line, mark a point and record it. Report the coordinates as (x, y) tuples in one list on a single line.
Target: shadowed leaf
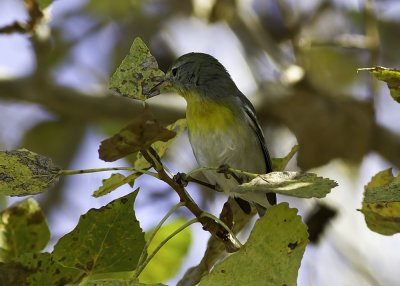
[(295, 184), (270, 257), (160, 147), (23, 228), (381, 205), (137, 74), (138, 135), (105, 240), (37, 269), (23, 172)]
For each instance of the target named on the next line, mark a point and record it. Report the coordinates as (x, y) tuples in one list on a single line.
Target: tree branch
[(217, 230)]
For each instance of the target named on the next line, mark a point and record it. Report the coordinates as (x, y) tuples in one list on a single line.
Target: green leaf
[(279, 164), (23, 228), (143, 131), (110, 184), (23, 172), (381, 204), (270, 257), (44, 3), (105, 240), (137, 74), (295, 184), (167, 262), (116, 9), (390, 76), (37, 269)]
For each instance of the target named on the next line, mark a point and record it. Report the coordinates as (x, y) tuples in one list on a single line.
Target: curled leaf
[(110, 184)]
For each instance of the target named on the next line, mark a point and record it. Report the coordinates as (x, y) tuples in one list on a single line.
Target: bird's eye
[(174, 71)]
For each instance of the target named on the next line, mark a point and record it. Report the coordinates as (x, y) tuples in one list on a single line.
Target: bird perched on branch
[(223, 128)]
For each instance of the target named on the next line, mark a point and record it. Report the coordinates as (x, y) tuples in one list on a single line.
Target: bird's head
[(198, 74)]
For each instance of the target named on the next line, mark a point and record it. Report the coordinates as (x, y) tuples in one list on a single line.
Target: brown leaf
[(137, 135)]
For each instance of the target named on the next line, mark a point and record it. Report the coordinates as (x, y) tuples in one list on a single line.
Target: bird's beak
[(159, 87)]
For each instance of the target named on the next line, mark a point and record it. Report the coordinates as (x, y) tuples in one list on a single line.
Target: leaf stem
[(144, 264), (156, 229), (96, 170)]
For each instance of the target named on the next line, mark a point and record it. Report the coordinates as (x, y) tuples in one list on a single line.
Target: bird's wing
[(250, 112)]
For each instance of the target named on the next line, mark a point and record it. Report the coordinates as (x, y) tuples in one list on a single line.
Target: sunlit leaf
[(23, 172), (23, 228), (270, 257), (137, 74), (37, 269), (295, 184), (390, 76), (105, 240), (143, 131), (381, 204), (167, 262), (279, 164)]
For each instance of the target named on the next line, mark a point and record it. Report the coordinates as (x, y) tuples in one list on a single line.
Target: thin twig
[(156, 229), (144, 264)]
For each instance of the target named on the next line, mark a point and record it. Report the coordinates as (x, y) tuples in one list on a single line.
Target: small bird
[(222, 125)]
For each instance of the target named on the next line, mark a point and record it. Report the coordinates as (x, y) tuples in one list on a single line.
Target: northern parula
[(222, 125)]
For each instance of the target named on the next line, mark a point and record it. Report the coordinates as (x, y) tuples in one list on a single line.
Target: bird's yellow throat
[(206, 115)]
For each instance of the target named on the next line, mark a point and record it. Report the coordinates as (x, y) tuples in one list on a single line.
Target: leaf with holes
[(137, 74)]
